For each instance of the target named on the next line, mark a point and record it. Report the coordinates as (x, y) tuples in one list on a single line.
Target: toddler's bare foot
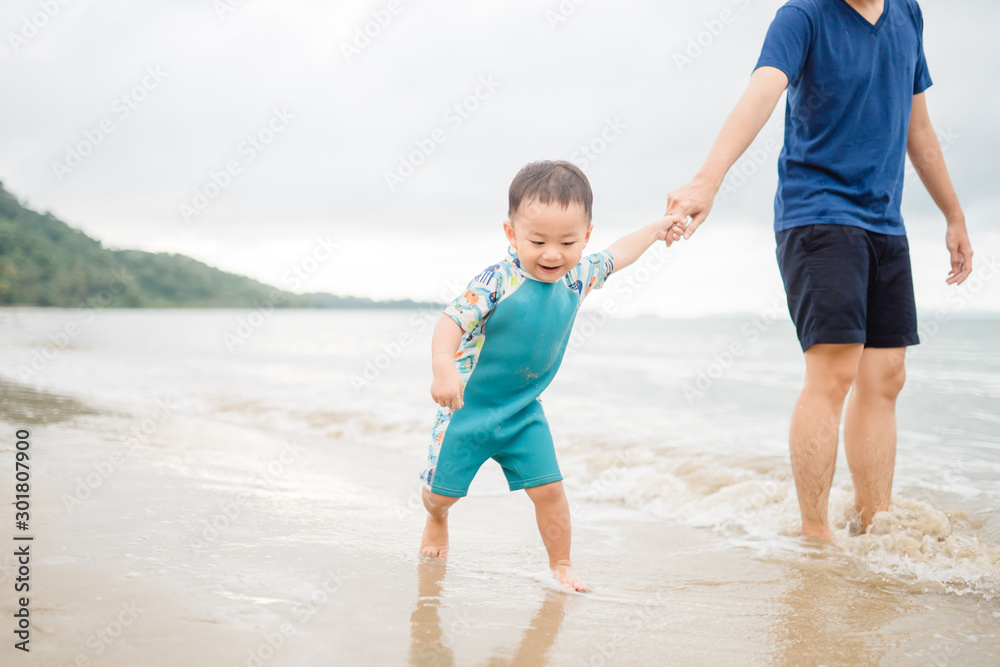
[(567, 578), (434, 543)]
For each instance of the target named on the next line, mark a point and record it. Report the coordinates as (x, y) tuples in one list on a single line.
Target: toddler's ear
[(508, 229), (586, 239)]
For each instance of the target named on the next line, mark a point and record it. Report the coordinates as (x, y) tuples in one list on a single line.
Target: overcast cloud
[(309, 115)]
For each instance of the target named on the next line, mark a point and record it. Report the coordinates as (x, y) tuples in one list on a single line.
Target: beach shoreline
[(211, 543)]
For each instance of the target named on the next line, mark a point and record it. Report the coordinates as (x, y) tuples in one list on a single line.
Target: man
[(856, 76)]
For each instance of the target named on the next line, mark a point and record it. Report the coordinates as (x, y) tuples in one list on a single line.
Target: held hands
[(447, 389), (693, 200), (669, 228)]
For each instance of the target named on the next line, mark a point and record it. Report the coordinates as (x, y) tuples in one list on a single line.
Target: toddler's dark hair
[(548, 181)]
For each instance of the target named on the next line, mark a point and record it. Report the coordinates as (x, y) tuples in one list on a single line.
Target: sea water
[(680, 421)]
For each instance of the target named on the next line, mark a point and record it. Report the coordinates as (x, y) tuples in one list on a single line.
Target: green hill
[(45, 262)]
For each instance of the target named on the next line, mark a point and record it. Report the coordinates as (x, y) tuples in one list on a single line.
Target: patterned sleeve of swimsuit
[(479, 298), (591, 273)]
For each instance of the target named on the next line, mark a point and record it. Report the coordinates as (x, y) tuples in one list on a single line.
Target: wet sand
[(206, 543)]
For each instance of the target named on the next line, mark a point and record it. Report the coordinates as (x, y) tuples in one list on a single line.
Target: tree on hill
[(45, 262)]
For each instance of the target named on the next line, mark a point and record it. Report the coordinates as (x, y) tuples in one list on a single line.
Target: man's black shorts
[(846, 284)]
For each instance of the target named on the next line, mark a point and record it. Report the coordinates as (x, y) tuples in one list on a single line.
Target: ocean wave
[(752, 502)]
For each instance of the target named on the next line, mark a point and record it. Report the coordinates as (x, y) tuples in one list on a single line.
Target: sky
[(366, 148)]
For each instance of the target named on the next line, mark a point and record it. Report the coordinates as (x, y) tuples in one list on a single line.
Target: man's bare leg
[(552, 514), (435, 539), (815, 429), (870, 429)]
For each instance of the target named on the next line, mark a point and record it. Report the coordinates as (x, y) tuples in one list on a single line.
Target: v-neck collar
[(874, 27)]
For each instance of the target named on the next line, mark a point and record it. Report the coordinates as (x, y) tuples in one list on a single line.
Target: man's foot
[(567, 578), (434, 542), (823, 533)]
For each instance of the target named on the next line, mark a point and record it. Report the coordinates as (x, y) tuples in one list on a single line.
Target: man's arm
[(738, 132), (630, 247), (927, 158)]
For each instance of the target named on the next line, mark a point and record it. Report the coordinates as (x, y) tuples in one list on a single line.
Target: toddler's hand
[(447, 389), (671, 228)]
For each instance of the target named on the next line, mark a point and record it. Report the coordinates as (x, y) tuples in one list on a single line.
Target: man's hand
[(924, 150), (447, 389), (693, 200), (957, 240)]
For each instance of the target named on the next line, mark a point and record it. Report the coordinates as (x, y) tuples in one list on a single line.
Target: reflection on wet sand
[(831, 618), (430, 644), (427, 640), (541, 634)]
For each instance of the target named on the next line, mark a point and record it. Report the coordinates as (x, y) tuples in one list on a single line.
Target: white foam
[(752, 503), (920, 544)]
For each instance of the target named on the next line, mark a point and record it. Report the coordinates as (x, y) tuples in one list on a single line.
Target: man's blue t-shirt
[(850, 91)]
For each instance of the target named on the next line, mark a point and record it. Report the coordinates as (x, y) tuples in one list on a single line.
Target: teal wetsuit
[(516, 332)]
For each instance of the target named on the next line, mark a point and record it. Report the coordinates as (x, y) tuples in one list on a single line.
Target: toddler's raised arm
[(630, 247)]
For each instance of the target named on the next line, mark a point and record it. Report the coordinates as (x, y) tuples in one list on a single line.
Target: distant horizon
[(922, 316), (953, 308)]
